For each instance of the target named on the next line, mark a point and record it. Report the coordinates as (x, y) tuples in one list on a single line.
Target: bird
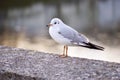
[(67, 36)]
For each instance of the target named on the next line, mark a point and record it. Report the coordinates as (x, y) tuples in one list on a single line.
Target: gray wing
[(73, 35)]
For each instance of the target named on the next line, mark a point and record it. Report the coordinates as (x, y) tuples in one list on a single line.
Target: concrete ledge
[(20, 64)]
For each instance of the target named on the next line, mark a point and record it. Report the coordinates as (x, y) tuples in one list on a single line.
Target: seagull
[(67, 36)]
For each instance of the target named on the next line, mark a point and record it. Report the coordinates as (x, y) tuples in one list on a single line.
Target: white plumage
[(63, 34)]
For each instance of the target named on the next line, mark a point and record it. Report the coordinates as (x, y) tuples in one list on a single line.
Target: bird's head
[(55, 22)]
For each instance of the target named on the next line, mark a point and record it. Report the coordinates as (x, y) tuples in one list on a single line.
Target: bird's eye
[(55, 22)]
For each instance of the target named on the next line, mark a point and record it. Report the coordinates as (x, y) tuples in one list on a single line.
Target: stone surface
[(20, 64)]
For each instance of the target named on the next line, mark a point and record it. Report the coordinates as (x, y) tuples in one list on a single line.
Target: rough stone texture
[(20, 64)]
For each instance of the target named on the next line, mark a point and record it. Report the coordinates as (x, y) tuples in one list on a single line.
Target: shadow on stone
[(14, 76)]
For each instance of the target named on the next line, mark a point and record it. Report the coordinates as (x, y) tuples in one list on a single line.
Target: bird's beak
[(49, 25)]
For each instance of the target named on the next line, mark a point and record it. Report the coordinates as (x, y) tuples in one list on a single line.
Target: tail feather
[(93, 46)]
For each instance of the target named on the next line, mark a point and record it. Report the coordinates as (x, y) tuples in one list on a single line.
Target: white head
[(55, 22)]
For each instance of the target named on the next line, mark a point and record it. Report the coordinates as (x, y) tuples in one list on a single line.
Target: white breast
[(54, 33)]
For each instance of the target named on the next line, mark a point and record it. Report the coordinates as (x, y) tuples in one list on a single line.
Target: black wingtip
[(93, 46), (96, 47), (100, 48)]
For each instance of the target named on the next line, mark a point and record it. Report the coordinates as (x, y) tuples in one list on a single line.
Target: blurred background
[(23, 25)]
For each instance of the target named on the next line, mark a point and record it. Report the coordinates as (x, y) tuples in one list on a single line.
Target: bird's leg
[(64, 52)]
